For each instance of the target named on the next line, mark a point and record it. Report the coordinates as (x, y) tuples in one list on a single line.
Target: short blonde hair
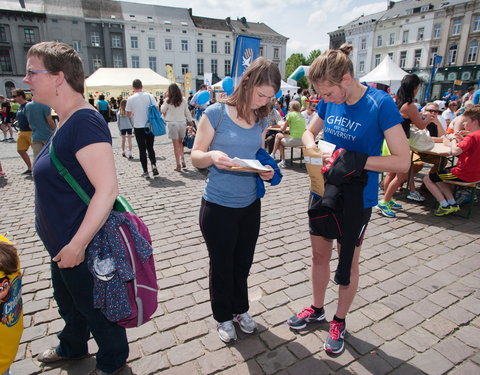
[(332, 65), (295, 106)]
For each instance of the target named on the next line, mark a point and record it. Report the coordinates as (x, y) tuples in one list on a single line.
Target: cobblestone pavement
[(416, 310)]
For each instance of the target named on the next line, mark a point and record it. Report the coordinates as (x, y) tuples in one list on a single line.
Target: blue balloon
[(227, 84), (229, 92), (279, 94), (203, 97)]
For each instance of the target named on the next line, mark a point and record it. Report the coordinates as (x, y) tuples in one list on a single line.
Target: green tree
[(297, 59), (313, 55)]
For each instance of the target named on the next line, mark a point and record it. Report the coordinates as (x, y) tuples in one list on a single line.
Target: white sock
[(452, 202), (443, 203)]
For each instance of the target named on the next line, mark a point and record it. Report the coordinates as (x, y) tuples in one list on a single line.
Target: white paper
[(250, 163), (326, 147)]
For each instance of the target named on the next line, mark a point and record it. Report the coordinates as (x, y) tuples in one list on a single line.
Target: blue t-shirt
[(37, 114), (102, 105), (59, 211), (227, 188), (22, 119), (359, 127), (476, 97)]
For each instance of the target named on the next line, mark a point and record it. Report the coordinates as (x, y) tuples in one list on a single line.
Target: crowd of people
[(359, 120)]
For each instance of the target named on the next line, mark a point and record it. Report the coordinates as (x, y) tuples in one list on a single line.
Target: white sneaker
[(246, 323), (272, 156), (415, 196), (282, 164), (226, 331)]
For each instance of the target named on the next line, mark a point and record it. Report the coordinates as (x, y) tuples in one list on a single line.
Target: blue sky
[(304, 22)]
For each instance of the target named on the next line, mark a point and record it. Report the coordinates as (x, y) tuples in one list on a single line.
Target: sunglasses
[(433, 110)]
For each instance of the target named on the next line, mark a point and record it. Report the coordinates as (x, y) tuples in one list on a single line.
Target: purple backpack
[(142, 290)]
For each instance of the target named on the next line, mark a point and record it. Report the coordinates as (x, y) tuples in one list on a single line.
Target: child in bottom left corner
[(11, 311)]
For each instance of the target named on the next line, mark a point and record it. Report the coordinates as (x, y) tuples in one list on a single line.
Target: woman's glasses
[(31, 73)]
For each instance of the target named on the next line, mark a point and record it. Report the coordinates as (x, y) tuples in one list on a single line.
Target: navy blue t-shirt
[(22, 119), (58, 209)]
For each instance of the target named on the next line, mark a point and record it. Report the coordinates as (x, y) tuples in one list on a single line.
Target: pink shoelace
[(306, 312), (335, 329)]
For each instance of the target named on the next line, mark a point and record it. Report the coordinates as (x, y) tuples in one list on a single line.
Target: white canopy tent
[(285, 87), (118, 81), (386, 72)]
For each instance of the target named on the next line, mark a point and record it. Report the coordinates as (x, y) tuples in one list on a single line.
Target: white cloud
[(316, 19), (363, 9)]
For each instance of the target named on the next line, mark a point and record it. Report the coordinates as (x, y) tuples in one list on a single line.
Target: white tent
[(385, 72), (118, 81)]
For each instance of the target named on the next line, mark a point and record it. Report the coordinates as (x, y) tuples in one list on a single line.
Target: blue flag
[(437, 59), (246, 50)]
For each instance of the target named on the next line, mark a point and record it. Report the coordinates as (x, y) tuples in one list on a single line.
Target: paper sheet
[(250, 163)]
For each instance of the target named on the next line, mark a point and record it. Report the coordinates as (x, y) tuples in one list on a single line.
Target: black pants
[(230, 235), (145, 144)]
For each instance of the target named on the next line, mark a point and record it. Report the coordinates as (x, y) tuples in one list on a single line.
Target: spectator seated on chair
[(467, 148)]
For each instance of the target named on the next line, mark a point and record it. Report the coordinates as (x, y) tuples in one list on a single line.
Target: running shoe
[(304, 317), (336, 339), (415, 196), (246, 323), (226, 331), (393, 204), (282, 164), (154, 171), (443, 211), (385, 208)]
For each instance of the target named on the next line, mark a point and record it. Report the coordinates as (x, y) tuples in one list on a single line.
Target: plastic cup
[(326, 147)]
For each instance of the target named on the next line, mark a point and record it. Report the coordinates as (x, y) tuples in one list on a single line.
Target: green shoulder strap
[(67, 176)]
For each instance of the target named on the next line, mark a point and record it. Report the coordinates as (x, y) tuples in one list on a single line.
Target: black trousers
[(145, 144), (230, 235)]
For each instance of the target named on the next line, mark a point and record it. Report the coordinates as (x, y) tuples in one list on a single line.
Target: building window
[(29, 36), (152, 63), (452, 54), (363, 43), (117, 61), (77, 46), (403, 59), (5, 61), (227, 48), (167, 30), (476, 23), (149, 19), (3, 34), (168, 44), (457, 26), (199, 45), (151, 43), (433, 53), (135, 61), (391, 40), (116, 41), (379, 40), (214, 66), (390, 54), (97, 61), (132, 17), (436, 30), (95, 38), (276, 53), (228, 67), (472, 52), (361, 66), (184, 45), (417, 58), (134, 41), (200, 69), (260, 51), (405, 36), (214, 46), (377, 60), (420, 34), (184, 69)]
